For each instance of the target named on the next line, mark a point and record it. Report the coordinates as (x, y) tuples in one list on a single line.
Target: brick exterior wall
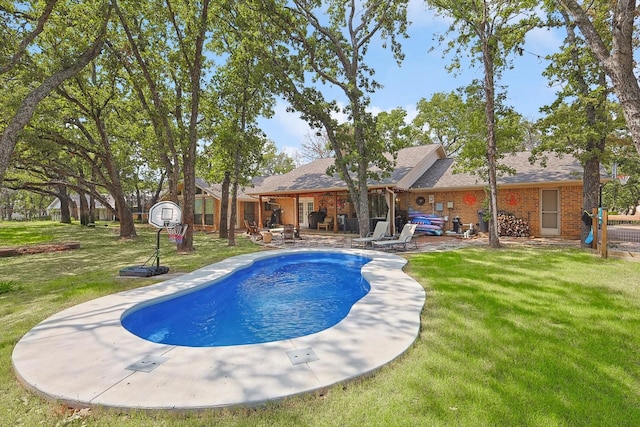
[(522, 202)]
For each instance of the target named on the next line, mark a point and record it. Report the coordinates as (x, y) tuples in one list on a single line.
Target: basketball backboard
[(165, 214)]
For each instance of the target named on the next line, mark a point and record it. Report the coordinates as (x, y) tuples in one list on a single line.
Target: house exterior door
[(549, 212), (305, 207)]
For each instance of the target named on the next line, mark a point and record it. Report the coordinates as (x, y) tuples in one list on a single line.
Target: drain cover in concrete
[(147, 363), (303, 355)]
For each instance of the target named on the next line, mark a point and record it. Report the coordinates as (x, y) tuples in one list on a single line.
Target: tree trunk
[(189, 156), (92, 198), (84, 209), (362, 207), (234, 197), (234, 213), (489, 90), (189, 200), (125, 217), (65, 211), (628, 94), (92, 209), (127, 225), (223, 225), (596, 113), (590, 194)]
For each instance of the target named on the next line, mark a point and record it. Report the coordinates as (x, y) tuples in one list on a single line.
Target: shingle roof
[(55, 204), (215, 190), (313, 176), (558, 169)]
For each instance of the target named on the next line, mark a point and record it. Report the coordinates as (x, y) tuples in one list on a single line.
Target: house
[(549, 198), (298, 194), (101, 212), (207, 207)]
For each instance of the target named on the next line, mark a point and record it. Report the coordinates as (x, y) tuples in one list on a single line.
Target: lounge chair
[(381, 230), (326, 224), (404, 239)]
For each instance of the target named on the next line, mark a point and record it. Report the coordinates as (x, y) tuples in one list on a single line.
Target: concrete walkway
[(82, 356)]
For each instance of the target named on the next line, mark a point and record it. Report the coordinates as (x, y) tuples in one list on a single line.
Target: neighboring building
[(206, 212), (549, 198), (102, 213)]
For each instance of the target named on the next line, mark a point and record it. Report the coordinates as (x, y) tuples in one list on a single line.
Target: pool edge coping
[(339, 343)]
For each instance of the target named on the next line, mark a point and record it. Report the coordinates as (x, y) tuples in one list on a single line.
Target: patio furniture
[(326, 224), (381, 230), (252, 229), (404, 239), (288, 233)]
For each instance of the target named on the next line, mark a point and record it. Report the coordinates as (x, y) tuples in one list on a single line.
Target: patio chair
[(404, 239), (381, 230), (252, 229), (326, 224), (288, 233)]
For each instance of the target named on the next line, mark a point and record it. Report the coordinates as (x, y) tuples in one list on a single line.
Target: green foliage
[(615, 196), (7, 286), (457, 121), (391, 127), (582, 117), (498, 25), (274, 163)]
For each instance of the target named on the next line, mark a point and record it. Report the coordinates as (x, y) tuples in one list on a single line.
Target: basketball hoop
[(623, 179), (176, 232)]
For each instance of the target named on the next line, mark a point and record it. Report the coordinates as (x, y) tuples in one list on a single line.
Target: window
[(250, 211), (197, 212), (208, 211), (377, 205)]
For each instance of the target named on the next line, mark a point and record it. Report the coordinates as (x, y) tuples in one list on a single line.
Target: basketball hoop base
[(144, 270)]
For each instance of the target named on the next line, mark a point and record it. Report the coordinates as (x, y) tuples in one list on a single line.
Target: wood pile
[(512, 226)]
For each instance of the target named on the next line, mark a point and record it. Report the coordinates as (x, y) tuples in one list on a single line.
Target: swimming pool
[(98, 362), (278, 298)]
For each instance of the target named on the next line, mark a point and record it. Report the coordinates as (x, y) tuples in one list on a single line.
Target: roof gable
[(411, 163), (215, 190)]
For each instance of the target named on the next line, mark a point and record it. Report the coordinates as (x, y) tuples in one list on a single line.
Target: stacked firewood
[(512, 226)]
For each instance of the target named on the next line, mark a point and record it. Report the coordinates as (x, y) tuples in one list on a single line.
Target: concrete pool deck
[(82, 356)]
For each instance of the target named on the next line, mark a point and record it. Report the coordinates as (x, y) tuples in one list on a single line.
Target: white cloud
[(412, 112), (290, 121)]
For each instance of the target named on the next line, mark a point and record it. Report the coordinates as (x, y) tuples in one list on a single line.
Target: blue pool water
[(275, 298)]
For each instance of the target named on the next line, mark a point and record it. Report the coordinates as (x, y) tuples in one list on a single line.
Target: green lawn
[(520, 336)]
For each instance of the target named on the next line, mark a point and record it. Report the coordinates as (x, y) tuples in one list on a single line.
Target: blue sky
[(423, 73)]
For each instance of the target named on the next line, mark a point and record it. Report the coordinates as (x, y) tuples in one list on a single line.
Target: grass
[(520, 336)]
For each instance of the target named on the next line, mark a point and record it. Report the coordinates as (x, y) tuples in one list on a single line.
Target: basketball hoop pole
[(158, 248)]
